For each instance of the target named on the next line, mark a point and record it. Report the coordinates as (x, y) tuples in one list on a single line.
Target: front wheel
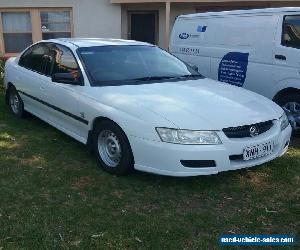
[(291, 105), (16, 104), (112, 148)]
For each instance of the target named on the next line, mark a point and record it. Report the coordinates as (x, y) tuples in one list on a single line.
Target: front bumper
[(165, 158)]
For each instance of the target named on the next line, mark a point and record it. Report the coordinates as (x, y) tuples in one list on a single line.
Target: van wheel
[(112, 148), (291, 105), (15, 102)]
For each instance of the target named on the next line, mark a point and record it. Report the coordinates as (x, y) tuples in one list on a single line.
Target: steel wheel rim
[(109, 148), (14, 103), (292, 110)]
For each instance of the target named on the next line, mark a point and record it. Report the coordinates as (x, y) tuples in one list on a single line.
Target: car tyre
[(291, 105), (112, 148), (15, 103)]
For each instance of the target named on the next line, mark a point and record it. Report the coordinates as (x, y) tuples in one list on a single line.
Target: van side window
[(291, 31)]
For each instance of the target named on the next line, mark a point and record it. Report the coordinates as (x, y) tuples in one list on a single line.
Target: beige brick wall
[(91, 18)]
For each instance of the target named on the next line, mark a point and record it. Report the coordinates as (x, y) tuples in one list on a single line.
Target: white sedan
[(138, 107)]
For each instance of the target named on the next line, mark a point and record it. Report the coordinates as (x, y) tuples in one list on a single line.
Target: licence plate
[(257, 151)]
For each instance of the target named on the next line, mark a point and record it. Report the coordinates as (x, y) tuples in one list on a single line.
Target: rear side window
[(36, 58), (291, 31)]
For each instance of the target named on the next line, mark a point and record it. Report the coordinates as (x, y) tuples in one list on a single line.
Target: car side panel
[(43, 99), (27, 83), (63, 108), (260, 40)]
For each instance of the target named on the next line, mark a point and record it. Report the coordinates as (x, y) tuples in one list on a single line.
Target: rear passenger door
[(33, 76)]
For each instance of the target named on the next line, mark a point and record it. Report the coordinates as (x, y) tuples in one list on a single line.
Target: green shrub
[(2, 62)]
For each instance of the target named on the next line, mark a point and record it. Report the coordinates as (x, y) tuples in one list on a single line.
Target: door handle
[(42, 88), (280, 57)]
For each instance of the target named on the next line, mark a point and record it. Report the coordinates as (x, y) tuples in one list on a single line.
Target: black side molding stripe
[(75, 117)]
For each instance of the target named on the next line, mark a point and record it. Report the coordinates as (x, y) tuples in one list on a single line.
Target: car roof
[(242, 12), (91, 42)]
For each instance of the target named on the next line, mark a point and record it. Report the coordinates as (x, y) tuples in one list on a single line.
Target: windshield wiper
[(190, 76), (152, 78), (158, 78)]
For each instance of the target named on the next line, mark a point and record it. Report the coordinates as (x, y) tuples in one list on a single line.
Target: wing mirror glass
[(66, 78), (194, 67)]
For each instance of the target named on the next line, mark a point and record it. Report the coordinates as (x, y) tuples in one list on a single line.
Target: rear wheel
[(291, 105), (15, 102), (112, 148)]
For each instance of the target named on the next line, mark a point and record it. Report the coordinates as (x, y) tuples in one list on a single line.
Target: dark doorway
[(143, 26)]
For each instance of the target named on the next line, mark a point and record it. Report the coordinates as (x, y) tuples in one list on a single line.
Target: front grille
[(244, 131)]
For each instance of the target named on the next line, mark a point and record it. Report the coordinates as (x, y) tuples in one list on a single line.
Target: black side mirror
[(66, 78), (194, 67)]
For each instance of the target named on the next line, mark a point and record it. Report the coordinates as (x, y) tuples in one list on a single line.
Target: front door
[(62, 98), (286, 54), (143, 26), (287, 48)]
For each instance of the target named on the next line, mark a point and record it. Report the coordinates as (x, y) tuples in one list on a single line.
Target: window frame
[(81, 80), (18, 32), (116, 83), (55, 32), (29, 48), (35, 15), (282, 32)]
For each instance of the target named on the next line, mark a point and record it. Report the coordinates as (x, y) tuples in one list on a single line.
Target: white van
[(255, 49)]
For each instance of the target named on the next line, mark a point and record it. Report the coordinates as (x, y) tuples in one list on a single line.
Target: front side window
[(108, 65), (63, 61), (17, 32), (37, 58), (291, 31), (55, 24)]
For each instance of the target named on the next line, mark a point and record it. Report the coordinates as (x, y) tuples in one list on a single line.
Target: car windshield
[(132, 64)]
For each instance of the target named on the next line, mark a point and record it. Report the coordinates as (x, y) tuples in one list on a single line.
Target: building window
[(20, 28), (17, 32), (56, 24)]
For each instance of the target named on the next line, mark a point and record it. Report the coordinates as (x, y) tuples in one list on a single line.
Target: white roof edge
[(241, 12), (89, 42)]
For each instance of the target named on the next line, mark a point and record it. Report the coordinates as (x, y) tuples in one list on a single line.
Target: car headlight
[(181, 136), (284, 122)]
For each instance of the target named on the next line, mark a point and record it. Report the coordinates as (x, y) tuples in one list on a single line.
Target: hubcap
[(109, 148), (292, 110), (14, 103)]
